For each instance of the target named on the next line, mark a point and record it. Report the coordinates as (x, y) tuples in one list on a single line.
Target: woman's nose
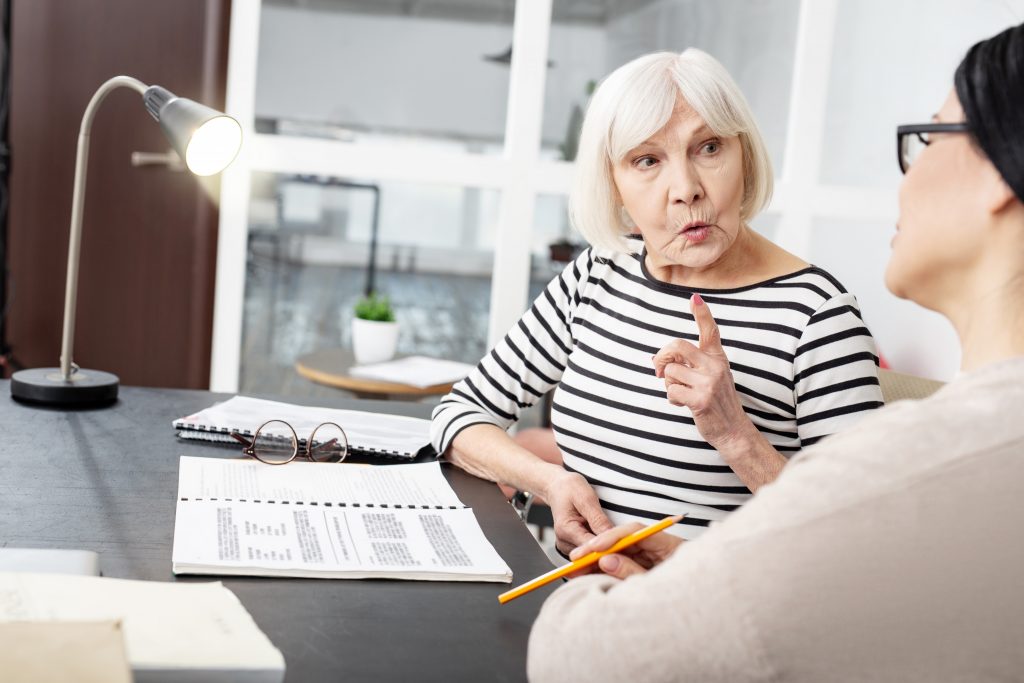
[(685, 186)]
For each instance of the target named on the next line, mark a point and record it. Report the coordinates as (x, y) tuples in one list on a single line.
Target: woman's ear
[(998, 196)]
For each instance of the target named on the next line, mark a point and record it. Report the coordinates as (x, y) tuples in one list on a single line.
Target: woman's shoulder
[(812, 285), (596, 260)]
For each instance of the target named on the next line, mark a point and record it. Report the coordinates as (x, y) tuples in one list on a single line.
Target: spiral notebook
[(329, 521), (393, 436)]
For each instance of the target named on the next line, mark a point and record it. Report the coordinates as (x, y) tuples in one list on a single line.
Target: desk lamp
[(208, 141)]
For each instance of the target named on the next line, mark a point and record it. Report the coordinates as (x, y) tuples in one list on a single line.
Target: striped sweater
[(803, 362)]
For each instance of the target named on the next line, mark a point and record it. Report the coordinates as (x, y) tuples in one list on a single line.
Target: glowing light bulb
[(213, 146)]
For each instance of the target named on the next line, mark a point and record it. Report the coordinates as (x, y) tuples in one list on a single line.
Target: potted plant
[(374, 330)]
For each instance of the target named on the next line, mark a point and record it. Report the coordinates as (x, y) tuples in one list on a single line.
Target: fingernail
[(610, 563), (697, 301)]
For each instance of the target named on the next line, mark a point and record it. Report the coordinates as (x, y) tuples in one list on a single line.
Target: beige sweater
[(890, 552)]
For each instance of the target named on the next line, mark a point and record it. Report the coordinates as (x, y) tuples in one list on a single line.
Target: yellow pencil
[(588, 559)]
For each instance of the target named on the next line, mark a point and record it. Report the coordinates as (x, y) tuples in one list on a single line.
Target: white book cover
[(327, 520), (172, 631)]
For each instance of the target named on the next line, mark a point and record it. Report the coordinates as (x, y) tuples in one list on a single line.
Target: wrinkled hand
[(636, 559), (576, 510), (698, 377)]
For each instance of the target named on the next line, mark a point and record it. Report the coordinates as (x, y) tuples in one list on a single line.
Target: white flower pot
[(373, 341)]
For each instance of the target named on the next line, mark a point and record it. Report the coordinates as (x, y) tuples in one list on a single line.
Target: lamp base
[(46, 386)]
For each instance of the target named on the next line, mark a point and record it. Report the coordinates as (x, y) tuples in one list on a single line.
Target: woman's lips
[(696, 233)]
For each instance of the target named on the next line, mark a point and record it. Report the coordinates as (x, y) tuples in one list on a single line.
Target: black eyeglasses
[(275, 443), (912, 139)]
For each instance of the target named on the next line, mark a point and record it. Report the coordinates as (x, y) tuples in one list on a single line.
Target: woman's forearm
[(754, 460), (490, 453)]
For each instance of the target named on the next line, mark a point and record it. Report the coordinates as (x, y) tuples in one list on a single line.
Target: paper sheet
[(417, 371), (333, 542), (414, 484)]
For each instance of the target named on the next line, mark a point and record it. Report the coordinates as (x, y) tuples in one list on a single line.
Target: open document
[(327, 520)]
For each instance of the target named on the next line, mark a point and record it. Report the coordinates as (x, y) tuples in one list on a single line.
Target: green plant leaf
[(376, 308)]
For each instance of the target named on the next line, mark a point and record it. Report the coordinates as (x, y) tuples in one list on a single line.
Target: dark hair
[(990, 85)]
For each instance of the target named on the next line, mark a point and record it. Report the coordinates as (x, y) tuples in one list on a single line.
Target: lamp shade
[(206, 139)]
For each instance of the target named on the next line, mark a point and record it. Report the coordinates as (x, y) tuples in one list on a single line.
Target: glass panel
[(554, 243), (753, 39), (893, 63), (911, 338), (367, 71), (309, 248)]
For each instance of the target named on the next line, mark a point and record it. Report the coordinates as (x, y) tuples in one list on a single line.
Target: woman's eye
[(711, 147), (645, 162)]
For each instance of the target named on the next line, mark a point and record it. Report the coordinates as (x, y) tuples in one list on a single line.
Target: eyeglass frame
[(250, 450), (917, 129)]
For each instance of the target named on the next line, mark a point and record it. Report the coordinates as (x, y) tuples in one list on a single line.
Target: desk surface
[(106, 480), (331, 366)]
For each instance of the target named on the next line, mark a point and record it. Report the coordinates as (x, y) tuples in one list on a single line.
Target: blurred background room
[(422, 149)]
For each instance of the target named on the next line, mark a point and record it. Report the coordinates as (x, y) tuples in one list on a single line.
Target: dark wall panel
[(145, 303)]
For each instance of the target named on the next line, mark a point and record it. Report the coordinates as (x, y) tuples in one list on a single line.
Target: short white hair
[(636, 101)]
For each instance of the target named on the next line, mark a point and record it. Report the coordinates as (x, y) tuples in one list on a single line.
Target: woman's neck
[(992, 330), (989, 318)]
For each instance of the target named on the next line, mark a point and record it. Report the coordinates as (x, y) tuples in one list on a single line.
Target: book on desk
[(377, 434), (172, 631), (327, 520)]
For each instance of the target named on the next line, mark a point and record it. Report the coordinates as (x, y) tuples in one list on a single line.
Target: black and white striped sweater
[(803, 361)]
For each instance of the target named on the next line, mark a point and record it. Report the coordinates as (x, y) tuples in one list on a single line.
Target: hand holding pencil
[(633, 559), (645, 543)]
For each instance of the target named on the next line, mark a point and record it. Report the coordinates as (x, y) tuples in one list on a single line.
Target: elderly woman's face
[(942, 199), (683, 188)]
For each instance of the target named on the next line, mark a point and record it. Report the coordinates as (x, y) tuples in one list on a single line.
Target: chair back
[(897, 386)]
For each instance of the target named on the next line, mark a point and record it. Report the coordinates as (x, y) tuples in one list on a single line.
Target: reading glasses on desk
[(276, 443)]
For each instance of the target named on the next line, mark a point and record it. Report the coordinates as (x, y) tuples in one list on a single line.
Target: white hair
[(636, 101)]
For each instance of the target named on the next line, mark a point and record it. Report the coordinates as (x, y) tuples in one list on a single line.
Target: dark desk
[(106, 480)]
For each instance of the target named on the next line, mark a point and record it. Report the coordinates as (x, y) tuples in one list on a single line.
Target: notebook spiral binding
[(197, 432), (384, 506)]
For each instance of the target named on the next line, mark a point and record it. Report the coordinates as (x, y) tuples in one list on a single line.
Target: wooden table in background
[(331, 366)]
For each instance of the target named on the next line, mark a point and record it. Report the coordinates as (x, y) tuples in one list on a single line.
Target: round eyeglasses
[(276, 443)]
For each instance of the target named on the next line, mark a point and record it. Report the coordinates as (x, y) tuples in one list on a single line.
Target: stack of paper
[(172, 631), (417, 371)]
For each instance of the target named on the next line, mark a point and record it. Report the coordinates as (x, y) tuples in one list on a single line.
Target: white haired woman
[(659, 409)]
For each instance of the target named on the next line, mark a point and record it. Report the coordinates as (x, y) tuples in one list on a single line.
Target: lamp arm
[(77, 203)]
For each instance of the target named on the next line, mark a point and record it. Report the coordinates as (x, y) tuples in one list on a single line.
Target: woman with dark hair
[(891, 551)]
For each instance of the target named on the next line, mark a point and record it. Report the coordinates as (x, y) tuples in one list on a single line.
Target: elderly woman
[(658, 409), (892, 551)]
